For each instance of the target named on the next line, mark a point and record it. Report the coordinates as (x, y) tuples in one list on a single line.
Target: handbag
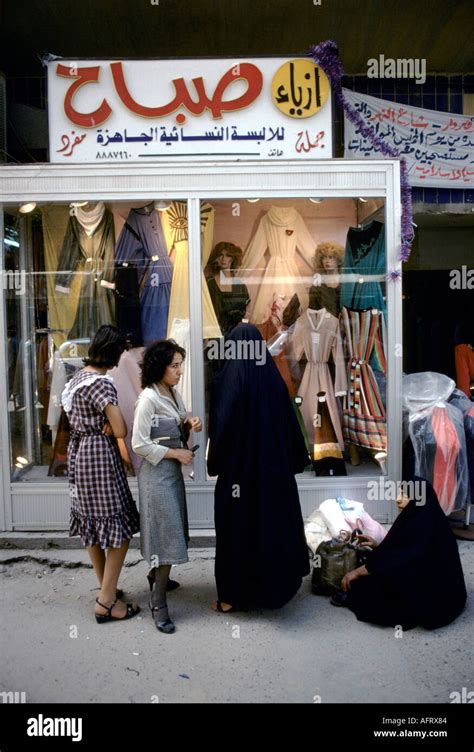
[(333, 559)]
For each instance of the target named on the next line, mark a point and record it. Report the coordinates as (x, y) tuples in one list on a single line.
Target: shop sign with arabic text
[(438, 146), (257, 108)]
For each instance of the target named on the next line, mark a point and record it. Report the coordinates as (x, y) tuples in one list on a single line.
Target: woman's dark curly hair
[(106, 347), (231, 249), (156, 358)]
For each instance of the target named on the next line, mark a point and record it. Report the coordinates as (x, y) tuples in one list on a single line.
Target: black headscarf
[(416, 576), (256, 447)]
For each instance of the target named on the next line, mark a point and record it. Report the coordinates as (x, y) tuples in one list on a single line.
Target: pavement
[(308, 652)]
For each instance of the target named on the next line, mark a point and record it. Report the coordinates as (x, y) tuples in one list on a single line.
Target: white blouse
[(151, 403)]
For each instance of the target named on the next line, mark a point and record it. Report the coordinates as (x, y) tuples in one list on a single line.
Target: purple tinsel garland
[(326, 55)]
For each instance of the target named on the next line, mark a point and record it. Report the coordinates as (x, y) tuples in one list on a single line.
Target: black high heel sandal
[(167, 626), (118, 593), (172, 584), (103, 618)]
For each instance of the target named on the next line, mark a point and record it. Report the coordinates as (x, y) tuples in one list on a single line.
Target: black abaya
[(416, 578), (256, 447)]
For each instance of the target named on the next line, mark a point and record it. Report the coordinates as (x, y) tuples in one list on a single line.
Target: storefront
[(312, 244)]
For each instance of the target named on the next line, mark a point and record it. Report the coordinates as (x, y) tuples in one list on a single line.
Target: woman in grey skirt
[(160, 431)]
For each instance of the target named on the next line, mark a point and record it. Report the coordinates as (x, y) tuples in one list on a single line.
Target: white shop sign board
[(224, 109)]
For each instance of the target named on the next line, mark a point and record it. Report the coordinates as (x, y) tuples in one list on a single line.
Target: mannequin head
[(225, 256), (328, 258)]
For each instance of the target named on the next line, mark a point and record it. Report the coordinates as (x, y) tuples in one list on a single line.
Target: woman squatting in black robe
[(256, 447), (415, 574)]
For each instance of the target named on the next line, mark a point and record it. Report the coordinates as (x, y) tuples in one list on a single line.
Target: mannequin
[(327, 264), (230, 299)]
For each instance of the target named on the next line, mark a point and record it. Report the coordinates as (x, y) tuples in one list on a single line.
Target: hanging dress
[(229, 305), (282, 231), (464, 357), (439, 441), (142, 243), (317, 336), (364, 257), (88, 250), (324, 296), (364, 418), (175, 228), (297, 402), (327, 455)]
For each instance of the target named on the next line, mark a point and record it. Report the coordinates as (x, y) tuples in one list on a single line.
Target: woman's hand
[(195, 424), (366, 540), (351, 576), (185, 456), (107, 429)]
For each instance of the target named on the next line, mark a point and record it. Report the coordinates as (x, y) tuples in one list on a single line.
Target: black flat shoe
[(339, 599), (167, 626), (103, 618)]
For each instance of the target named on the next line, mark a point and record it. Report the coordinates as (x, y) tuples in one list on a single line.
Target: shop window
[(69, 268), (310, 274)]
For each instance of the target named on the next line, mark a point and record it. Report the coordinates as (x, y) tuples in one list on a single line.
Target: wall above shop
[(438, 30)]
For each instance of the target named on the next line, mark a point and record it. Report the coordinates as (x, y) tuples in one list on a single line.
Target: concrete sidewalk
[(309, 651)]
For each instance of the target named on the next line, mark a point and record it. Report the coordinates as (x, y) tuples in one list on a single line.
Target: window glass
[(69, 268), (311, 276)]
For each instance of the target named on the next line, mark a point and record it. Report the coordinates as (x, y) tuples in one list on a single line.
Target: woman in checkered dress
[(103, 511)]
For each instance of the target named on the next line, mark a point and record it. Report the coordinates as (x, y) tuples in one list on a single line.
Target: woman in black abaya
[(256, 447), (415, 576)]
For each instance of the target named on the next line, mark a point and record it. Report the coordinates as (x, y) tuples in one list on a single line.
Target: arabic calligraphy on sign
[(68, 144), (304, 142), (216, 104), (438, 147), (227, 133), (300, 88)]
